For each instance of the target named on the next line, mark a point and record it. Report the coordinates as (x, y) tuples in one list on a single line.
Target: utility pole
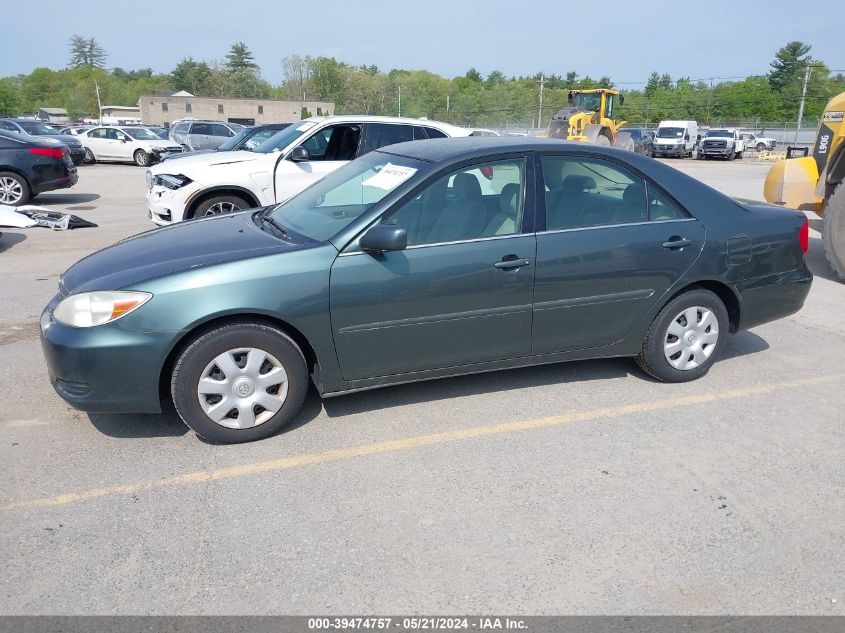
[(801, 107), (447, 104), (540, 113), (400, 100), (99, 104)]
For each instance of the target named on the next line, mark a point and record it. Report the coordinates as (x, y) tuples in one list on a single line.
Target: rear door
[(611, 247), (199, 136), (329, 147)]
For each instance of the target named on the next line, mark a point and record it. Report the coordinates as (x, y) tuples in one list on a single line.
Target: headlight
[(157, 148), (171, 182), (88, 309), (149, 177)]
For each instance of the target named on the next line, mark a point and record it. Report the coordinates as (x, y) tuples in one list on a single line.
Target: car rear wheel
[(239, 382), (219, 205), (142, 159), (685, 338), (14, 190)]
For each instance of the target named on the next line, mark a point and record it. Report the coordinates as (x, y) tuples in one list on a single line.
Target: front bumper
[(104, 368), (674, 150), (166, 206), (724, 152)]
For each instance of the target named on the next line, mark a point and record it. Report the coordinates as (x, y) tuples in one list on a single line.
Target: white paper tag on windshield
[(389, 177)]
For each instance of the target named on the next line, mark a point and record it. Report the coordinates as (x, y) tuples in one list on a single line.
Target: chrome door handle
[(506, 264), (677, 243)]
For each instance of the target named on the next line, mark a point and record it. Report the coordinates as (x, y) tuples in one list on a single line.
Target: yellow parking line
[(421, 440)]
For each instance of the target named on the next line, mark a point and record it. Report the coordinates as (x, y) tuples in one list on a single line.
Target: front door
[(328, 148), (612, 246), (460, 293)]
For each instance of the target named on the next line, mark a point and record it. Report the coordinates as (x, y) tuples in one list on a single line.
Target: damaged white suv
[(282, 166)]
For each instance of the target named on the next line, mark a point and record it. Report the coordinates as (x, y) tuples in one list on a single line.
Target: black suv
[(39, 128), (30, 165)]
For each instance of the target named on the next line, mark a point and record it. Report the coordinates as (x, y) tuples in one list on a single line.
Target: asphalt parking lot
[(578, 488)]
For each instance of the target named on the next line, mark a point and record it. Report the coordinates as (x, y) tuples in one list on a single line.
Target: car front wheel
[(239, 382), (89, 157), (220, 204), (142, 159), (685, 338)]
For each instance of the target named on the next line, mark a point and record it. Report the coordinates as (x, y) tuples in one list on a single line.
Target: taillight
[(804, 236), (52, 152)]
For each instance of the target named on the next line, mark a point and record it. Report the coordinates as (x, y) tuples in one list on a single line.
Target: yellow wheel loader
[(815, 182), (588, 118)]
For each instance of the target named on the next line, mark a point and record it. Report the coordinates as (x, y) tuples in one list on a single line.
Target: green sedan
[(421, 260)]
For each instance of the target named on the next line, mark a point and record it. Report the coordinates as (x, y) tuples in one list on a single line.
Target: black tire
[(834, 231), (19, 193), (651, 358), (760, 147), (194, 359), (739, 155), (89, 157), (142, 159), (227, 204)]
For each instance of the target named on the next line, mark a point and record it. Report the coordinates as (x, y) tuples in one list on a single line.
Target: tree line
[(493, 100)]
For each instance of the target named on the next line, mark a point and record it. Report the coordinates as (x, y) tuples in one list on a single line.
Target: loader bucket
[(792, 183)]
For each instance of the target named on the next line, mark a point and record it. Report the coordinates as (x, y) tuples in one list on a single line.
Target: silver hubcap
[(242, 388), (221, 207), (11, 191), (141, 158), (691, 338)]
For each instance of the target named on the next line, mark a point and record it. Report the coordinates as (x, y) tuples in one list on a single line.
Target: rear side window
[(583, 191), (201, 128), (661, 207), (434, 132), (380, 135)]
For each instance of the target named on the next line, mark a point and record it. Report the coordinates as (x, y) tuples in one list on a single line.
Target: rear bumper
[(104, 368), (773, 297), (62, 182)]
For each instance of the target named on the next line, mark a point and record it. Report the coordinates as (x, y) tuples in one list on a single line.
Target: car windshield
[(333, 203), (36, 127), (670, 132), (233, 142), (720, 133), (140, 133), (282, 139)]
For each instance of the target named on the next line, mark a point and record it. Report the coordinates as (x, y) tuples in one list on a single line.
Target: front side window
[(221, 130), (334, 202), (583, 191), (98, 133), (485, 200), (338, 142)]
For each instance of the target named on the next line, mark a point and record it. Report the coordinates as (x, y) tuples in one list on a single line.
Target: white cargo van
[(675, 138)]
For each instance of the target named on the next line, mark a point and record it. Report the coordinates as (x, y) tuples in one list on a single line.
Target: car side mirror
[(300, 155), (384, 237)]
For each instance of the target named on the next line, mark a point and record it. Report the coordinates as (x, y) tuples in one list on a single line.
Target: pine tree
[(240, 58), (789, 62), (86, 53)]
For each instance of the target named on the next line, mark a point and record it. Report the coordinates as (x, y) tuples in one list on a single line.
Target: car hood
[(190, 154), (211, 159), (170, 249)]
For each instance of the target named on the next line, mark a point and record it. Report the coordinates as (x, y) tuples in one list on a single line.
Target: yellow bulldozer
[(589, 117), (815, 182)]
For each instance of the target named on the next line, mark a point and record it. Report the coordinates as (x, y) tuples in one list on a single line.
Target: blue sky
[(518, 38)]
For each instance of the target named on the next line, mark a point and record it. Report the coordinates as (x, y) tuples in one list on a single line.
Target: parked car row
[(39, 128), (30, 165), (281, 166)]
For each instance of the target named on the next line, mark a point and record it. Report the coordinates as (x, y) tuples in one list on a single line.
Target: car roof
[(435, 150), (370, 118)]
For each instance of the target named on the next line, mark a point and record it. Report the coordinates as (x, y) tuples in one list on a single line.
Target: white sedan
[(126, 144), (282, 166)]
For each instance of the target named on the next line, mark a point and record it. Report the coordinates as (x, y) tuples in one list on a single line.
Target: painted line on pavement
[(419, 441)]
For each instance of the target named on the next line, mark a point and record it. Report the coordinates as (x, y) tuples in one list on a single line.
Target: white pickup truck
[(759, 143), (724, 143)]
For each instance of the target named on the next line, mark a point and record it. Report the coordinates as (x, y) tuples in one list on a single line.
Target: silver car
[(194, 135)]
